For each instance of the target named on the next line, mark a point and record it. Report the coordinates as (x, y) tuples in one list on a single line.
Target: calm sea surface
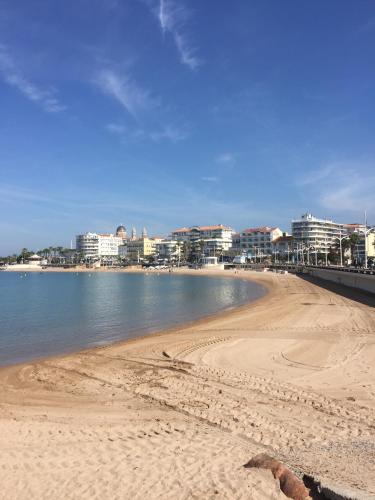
[(52, 313)]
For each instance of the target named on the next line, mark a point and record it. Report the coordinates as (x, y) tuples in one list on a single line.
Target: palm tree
[(201, 245), (179, 245), (345, 244), (353, 240), (25, 254), (186, 250)]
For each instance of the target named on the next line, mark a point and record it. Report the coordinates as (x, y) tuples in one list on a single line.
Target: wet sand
[(176, 415)]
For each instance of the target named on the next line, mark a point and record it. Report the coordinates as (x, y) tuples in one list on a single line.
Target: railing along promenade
[(302, 267)]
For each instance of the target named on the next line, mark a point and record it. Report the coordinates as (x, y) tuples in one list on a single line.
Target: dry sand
[(176, 415)]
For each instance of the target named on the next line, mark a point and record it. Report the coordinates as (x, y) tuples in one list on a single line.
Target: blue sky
[(166, 113)]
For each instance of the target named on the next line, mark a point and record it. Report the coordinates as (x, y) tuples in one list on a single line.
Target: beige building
[(359, 248), (138, 249)]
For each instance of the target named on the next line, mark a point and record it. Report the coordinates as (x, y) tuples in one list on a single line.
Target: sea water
[(42, 314)]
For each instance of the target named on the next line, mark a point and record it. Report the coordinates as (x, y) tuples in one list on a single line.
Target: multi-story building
[(94, 245), (354, 228), (211, 239), (168, 249), (109, 244), (363, 246), (257, 241), (88, 245), (138, 249), (282, 247), (319, 234)]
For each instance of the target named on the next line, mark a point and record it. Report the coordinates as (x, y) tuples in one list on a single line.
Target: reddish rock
[(290, 484)]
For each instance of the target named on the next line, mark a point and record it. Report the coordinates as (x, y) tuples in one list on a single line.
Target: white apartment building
[(109, 244), (94, 245), (321, 234), (215, 238), (88, 245), (168, 249), (257, 241)]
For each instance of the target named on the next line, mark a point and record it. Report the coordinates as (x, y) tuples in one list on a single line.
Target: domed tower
[(121, 232)]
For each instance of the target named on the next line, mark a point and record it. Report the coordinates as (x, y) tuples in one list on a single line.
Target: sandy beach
[(177, 414)]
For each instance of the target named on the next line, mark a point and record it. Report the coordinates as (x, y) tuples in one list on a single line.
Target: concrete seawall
[(355, 280)]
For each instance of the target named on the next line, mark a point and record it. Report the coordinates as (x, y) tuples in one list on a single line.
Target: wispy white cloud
[(14, 77), (210, 178), (314, 176), (167, 133), (344, 186), (353, 195), (126, 91), (226, 158), (171, 133), (173, 17), (114, 128)]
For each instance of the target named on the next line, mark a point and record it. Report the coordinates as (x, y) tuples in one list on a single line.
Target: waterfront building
[(321, 235), (211, 240), (354, 228), (35, 260), (211, 262), (95, 245), (236, 241), (109, 245), (168, 249), (282, 247), (88, 245), (123, 250), (369, 241), (364, 245), (257, 241), (140, 248)]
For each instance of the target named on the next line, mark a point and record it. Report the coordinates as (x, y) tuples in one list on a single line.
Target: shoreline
[(290, 374), (220, 314)]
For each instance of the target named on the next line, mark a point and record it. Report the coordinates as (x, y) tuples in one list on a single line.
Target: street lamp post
[(340, 250), (366, 232), (340, 239), (326, 252)]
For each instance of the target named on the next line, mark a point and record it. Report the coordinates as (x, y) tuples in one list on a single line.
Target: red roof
[(200, 228), (264, 229), (283, 238)]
